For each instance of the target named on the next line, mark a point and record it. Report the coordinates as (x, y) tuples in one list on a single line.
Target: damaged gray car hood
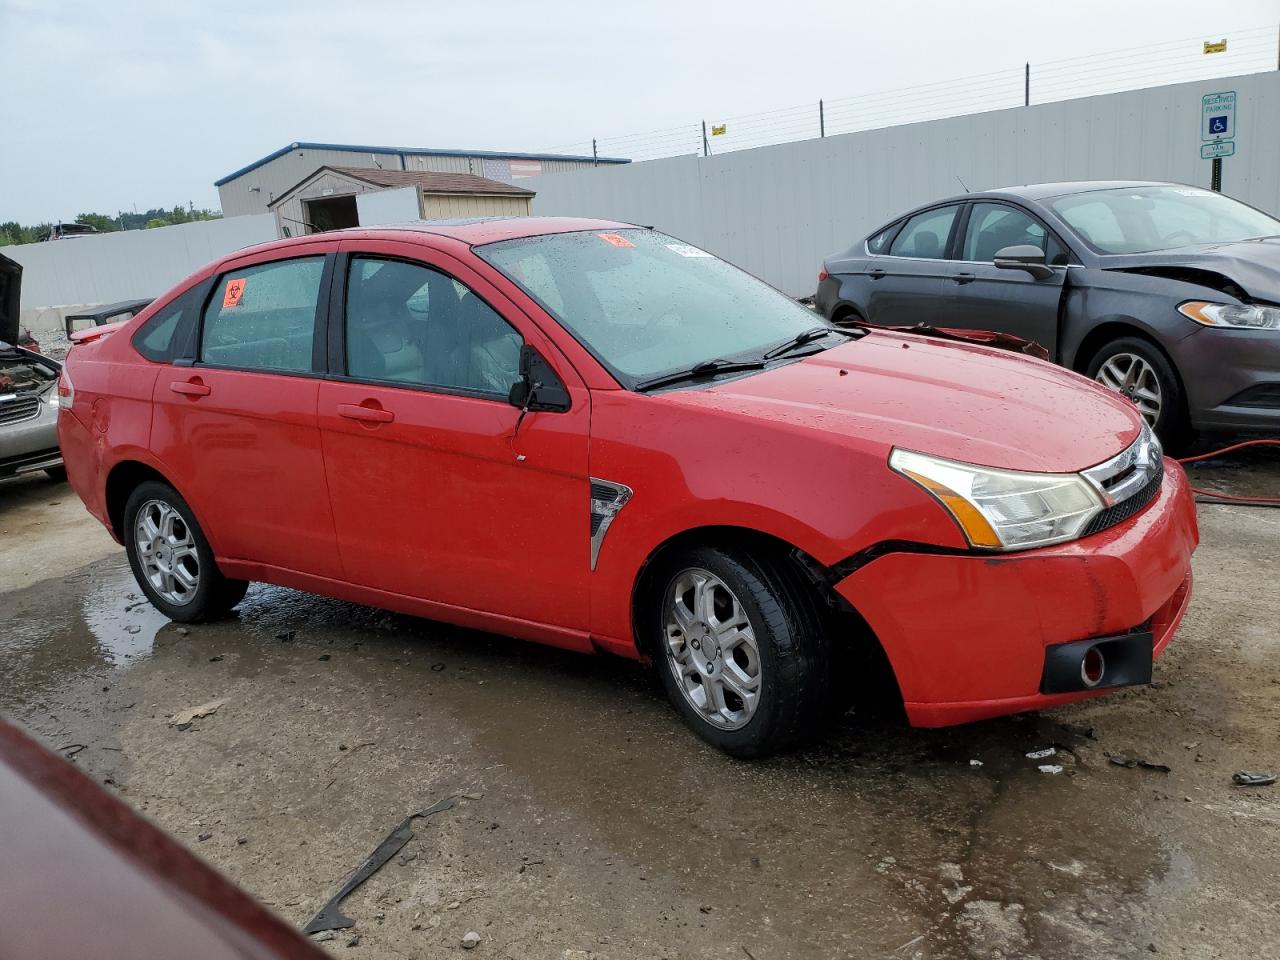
[(10, 291), (1252, 265)]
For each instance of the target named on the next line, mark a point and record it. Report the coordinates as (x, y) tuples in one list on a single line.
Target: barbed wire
[(1251, 50)]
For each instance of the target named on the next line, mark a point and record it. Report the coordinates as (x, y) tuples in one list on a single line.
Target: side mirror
[(1023, 256), (538, 387)]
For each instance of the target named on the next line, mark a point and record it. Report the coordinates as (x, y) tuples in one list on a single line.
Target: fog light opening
[(1092, 667)]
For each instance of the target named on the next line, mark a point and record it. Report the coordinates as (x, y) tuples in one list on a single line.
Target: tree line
[(12, 232)]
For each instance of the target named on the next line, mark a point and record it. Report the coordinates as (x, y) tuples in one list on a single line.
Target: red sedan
[(592, 435)]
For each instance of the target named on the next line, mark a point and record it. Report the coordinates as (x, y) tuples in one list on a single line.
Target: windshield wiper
[(807, 336), (707, 368)]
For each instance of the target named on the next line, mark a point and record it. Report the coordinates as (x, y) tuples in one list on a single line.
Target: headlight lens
[(1232, 315), (1004, 509)]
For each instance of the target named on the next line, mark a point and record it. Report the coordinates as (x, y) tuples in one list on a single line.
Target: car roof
[(474, 231), (1050, 191)]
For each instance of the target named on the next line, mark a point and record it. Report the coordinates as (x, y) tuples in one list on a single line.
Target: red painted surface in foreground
[(433, 513), (82, 875)]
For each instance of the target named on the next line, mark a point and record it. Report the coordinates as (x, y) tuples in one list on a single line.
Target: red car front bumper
[(967, 634)]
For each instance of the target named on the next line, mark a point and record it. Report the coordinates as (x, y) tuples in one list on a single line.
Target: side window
[(408, 323), (993, 226), (263, 317), (159, 338), (925, 235), (880, 242)]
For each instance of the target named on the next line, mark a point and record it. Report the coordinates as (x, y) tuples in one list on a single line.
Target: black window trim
[(961, 207), (336, 332), (193, 357), (1072, 258)]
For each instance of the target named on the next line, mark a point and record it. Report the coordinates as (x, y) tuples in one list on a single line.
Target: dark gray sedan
[(1167, 293)]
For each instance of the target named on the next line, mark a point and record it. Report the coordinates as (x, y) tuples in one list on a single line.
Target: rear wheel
[(172, 560), (742, 650), (1138, 371)]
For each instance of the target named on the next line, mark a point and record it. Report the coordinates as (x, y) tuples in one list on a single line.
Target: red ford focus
[(592, 435)]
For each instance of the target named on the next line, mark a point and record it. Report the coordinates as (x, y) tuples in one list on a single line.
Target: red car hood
[(967, 403)]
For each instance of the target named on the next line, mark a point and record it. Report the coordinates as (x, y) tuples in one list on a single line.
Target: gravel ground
[(591, 824)]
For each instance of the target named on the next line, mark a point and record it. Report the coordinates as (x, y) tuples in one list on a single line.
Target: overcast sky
[(107, 106)]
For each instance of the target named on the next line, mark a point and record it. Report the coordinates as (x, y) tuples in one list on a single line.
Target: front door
[(987, 297), (436, 494), (237, 426)]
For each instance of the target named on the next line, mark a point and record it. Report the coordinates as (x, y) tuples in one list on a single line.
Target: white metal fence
[(123, 266), (778, 210)]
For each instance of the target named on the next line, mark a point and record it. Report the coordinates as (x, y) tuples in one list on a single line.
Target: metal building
[(327, 199), (252, 188)]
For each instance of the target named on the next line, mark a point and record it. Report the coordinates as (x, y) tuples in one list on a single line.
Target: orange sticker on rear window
[(617, 239), (235, 290)]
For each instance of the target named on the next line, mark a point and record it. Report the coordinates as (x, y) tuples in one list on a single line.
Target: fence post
[(595, 158), (1026, 89), (822, 121), (706, 149)]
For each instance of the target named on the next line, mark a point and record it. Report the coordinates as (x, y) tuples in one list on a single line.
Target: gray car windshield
[(646, 304), (1143, 219)]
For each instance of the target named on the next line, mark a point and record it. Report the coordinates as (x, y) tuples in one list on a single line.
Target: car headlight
[(1004, 509), (1232, 315)]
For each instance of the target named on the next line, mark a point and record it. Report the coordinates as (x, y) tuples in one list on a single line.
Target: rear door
[(909, 283), (235, 419), (441, 491), (986, 297)]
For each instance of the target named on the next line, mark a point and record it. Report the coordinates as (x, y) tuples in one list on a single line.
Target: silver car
[(28, 392)]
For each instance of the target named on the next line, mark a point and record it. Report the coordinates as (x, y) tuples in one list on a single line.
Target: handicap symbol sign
[(1218, 124)]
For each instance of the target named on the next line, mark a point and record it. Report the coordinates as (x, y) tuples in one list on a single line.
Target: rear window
[(264, 317), (880, 242)]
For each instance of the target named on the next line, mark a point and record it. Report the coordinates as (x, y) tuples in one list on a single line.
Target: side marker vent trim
[(607, 500)]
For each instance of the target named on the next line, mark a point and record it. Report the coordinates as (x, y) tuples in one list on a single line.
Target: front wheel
[(1138, 371), (172, 560), (742, 651)]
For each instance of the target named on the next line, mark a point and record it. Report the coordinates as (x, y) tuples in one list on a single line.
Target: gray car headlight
[(1004, 509), (1232, 315)]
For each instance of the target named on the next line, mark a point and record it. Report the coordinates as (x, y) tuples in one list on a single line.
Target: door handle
[(190, 388), (357, 411), (875, 274), (964, 278)]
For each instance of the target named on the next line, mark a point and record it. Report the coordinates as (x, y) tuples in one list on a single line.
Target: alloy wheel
[(1133, 377), (167, 552), (711, 649)]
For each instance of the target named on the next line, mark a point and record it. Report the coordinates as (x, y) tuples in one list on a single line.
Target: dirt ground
[(594, 825)]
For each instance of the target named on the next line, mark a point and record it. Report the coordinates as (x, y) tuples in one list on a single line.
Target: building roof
[(428, 181), (410, 152), (431, 181)]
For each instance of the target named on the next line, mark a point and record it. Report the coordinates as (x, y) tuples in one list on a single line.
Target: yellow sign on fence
[(720, 130), (1219, 46)]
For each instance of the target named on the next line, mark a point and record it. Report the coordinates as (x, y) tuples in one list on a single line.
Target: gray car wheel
[(1140, 372)]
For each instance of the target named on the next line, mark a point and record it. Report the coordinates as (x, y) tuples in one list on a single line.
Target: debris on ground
[(1247, 779), (1050, 768), (1120, 760), (975, 763), (203, 837), (354, 941), (330, 917), (324, 935), (1041, 754), (470, 940), (284, 636), (182, 719)]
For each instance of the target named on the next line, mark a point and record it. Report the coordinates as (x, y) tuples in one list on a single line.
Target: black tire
[(1171, 426), (57, 474), (795, 657), (214, 595)]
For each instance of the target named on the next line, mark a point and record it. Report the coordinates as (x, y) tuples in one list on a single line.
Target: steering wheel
[(1173, 238)]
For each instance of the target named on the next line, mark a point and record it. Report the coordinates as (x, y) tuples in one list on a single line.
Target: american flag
[(497, 170), (525, 168)]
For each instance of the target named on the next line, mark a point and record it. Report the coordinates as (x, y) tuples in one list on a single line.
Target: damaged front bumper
[(976, 636)]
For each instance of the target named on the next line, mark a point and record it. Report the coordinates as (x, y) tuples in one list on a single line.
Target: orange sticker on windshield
[(617, 239), (235, 290)]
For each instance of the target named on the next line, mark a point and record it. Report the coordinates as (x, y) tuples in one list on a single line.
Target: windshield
[(645, 304), (1142, 219)]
